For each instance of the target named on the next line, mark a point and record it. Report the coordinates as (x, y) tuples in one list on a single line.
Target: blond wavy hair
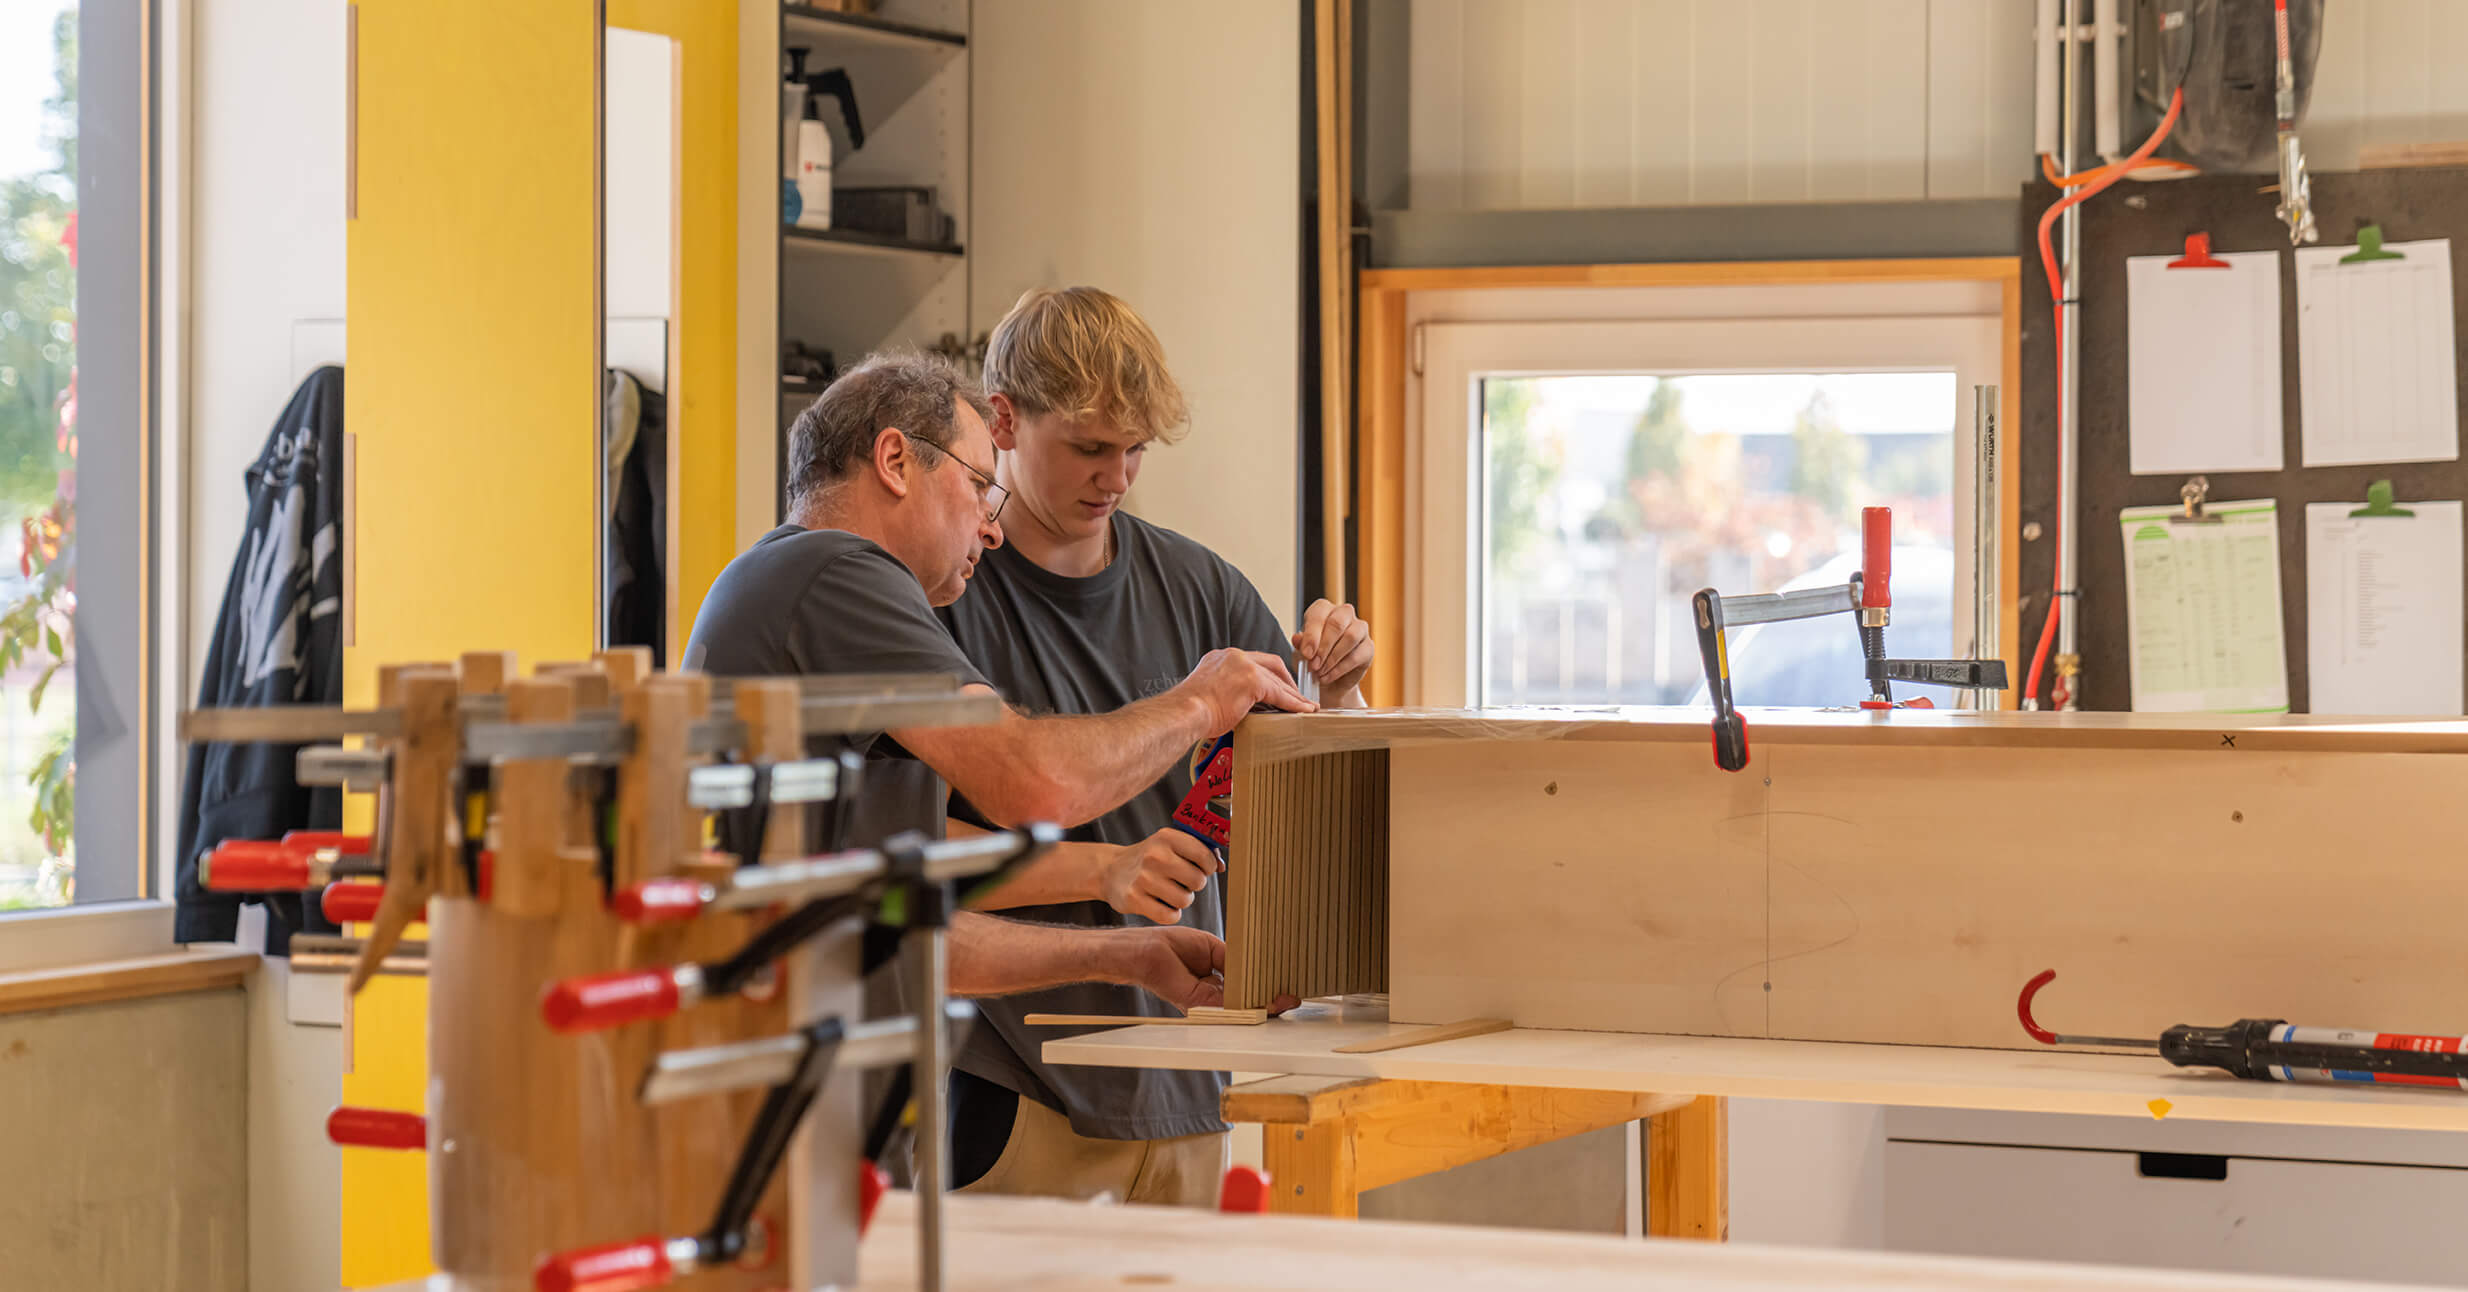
[(1084, 354)]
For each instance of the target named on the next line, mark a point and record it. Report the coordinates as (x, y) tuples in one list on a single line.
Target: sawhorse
[(1326, 1139)]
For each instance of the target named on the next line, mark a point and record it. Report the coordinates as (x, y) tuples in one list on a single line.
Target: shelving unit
[(848, 291)]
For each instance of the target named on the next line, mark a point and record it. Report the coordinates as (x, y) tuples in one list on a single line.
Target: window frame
[(139, 923), (1444, 462)]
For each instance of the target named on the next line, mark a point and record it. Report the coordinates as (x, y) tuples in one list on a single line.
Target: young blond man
[(1088, 609)]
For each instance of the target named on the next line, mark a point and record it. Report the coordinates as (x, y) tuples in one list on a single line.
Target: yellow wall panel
[(473, 403), (703, 388)]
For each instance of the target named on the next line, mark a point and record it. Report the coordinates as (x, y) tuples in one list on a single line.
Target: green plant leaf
[(51, 642), (34, 699)]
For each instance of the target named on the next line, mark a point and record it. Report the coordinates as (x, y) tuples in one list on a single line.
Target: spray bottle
[(792, 109), (814, 154)]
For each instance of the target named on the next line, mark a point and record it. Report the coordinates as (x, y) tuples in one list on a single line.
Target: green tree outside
[(1523, 468)]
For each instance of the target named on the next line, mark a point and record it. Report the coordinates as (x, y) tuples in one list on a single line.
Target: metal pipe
[(1987, 539), (2067, 689), (2045, 35), (2108, 38), (933, 1069)]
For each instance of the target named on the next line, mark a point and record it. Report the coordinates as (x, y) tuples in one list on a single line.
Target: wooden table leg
[(1687, 1170)]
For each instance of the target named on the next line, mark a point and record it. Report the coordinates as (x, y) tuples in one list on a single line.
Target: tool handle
[(2272, 1050), (253, 865), (1245, 1190), (376, 1128), (308, 841), (872, 1183), (603, 1000), (1876, 558), (614, 1267), (659, 901), (352, 903)]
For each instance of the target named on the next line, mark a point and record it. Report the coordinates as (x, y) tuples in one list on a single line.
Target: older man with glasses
[(880, 532)]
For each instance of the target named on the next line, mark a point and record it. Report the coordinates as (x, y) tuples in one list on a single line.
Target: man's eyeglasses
[(988, 492)]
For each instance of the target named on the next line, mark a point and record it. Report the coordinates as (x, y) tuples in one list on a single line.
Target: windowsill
[(170, 974), (71, 936)]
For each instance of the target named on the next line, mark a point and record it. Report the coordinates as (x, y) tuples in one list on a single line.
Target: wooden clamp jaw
[(413, 811)]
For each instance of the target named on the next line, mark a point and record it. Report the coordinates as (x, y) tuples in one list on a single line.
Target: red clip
[(352, 903), (872, 1184), (1245, 1190), (2198, 254)]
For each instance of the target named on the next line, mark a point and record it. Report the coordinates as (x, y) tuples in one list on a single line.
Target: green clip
[(2369, 247), (2378, 502)]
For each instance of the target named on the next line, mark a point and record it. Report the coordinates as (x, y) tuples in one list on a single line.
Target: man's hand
[(1184, 967), (1158, 877), (1230, 681), (1335, 644)]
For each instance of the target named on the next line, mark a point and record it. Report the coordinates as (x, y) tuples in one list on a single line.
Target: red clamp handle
[(253, 865), (308, 841), (376, 1128), (659, 901), (872, 1183), (602, 1000), (1245, 1190), (352, 903), (615, 1267), (1876, 558)]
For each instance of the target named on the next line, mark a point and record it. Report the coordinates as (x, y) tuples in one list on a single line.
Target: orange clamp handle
[(1245, 1190), (352, 903), (602, 1000), (659, 901), (253, 865), (1876, 558), (376, 1128), (615, 1267)]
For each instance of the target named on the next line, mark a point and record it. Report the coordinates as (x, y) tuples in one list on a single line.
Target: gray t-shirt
[(806, 601), (1053, 644)]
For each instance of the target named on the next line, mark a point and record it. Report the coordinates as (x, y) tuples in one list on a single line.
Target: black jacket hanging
[(277, 640), (638, 516)]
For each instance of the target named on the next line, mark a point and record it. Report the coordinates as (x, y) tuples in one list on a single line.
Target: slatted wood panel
[(1558, 103), (1307, 877)]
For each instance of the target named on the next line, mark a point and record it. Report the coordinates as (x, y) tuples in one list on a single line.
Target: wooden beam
[(165, 975), (1734, 273), (1379, 489), (1328, 1139), (1333, 27), (1687, 1169)]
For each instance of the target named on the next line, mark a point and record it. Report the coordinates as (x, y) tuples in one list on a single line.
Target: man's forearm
[(1062, 769), (996, 957), (1066, 873)]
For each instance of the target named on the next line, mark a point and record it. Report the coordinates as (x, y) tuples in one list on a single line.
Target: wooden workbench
[(2046, 1081), (1065, 1247)]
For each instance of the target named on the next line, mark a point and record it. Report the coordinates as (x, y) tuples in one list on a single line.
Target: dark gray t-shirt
[(806, 601), (1053, 644)]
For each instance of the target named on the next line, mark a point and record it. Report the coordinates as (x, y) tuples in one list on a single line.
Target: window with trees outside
[(74, 547), (1610, 500)]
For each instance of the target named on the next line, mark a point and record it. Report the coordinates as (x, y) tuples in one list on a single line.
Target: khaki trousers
[(1046, 1158)]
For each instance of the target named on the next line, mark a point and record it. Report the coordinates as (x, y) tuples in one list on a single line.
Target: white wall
[(265, 215), (266, 250), (2388, 74), (1153, 150)]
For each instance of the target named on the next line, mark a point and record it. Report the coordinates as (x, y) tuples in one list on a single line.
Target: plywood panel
[(127, 1124), (1886, 894)]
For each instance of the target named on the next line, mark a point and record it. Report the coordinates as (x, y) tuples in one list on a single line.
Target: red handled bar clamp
[(300, 859), (1197, 815), (376, 1128)]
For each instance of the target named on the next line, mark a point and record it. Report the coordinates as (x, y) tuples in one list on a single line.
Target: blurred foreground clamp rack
[(600, 828)]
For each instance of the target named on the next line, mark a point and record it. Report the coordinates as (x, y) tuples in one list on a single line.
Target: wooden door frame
[(1378, 476)]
